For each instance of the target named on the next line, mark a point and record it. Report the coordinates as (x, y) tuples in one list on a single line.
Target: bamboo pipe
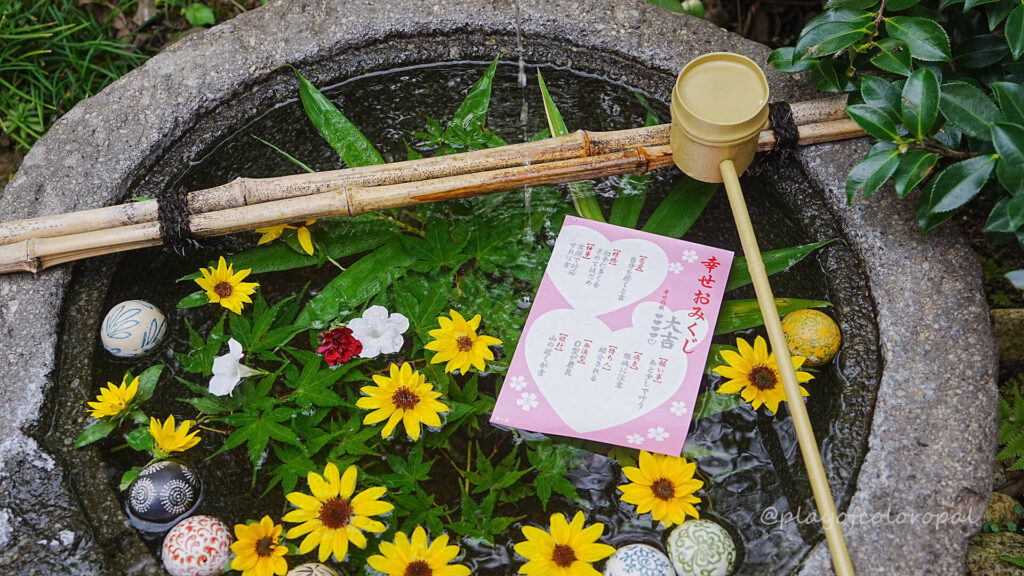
[(248, 191)]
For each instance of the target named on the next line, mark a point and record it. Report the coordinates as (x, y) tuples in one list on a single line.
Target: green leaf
[(710, 403), (871, 172), (919, 104), (128, 477), (193, 300), (147, 382), (441, 246), (96, 431), (861, 4), (783, 60), (1008, 140), (287, 156), (368, 276), (829, 38), (422, 298), (139, 439), (582, 193), (962, 181), (980, 52), (927, 217), (1016, 277), (1017, 561), (632, 192), (968, 4), (354, 148), (882, 94), (472, 113), (775, 261), (997, 12), (680, 208), (925, 39), (256, 428), (966, 107), (199, 15), (1015, 213), (894, 57), (914, 167), (874, 121), (1015, 31), (830, 74), (743, 314), (1011, 100)]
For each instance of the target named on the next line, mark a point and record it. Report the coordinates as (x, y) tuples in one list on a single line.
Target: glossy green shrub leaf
[(96, 431), (680, 208), (894, 57), (957, 184), (997, 12), (915, 165), (1015, 31), (783, 60), (830, 74), (898, 5), (1015, 215), (874, 121), (966, 107), (829, 38), (1011, 100), (860, 4), (743, 314), (968, 4), (927, 217), (925, 39), (980, 52), (871, 172), (881, 94), (774, 261), (997, 226), (1008, 140), (353, 147), (920, 102)]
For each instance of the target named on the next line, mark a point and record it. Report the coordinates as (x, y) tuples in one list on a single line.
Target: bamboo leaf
[(774, 261), (681, 208), (966, 107), (919, 103), (743, 314), (353, 147), (914, 167), (925, 39), (583, 197), (287, 156), (629, 201), (472, 113)]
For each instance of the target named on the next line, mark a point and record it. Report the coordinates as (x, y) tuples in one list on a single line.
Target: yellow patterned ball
[(813, 335)]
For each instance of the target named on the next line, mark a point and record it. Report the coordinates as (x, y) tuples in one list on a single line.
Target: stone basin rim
[(938, 336)]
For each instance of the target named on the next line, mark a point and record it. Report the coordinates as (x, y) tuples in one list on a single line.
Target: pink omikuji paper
[(615, 345)]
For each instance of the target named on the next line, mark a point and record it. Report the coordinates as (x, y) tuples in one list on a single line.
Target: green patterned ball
[(813, 335), (701, 548)]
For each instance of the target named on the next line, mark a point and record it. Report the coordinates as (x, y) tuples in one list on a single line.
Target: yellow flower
[(568, 550), (113, 400), (457, 343), (167, 439), (258, 550), (663, 486), (405, 558), (271, 233), (404, 397), (224, 285), (332, 517), (754, 373)]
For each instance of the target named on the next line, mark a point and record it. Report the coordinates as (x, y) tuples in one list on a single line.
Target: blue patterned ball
[(638, 560), (132, 328)]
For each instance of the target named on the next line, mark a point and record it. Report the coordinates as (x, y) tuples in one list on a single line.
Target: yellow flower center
[(336, 513), (223, 289), (663, 489), (563, 556), (465, 343), (418, 568), (265, 546), (405, 399), (762, 377)]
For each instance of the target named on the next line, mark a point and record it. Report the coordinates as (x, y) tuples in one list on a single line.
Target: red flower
[(339, 346)]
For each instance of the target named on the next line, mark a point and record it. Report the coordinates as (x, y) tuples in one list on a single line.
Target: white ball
[(312, 569), (197, 546), (132, 328), (638, 560), (701, 547)]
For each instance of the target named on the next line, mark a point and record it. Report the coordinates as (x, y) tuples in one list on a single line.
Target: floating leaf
[(743, 314)]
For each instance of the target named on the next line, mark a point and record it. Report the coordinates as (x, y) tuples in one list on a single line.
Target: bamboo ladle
[(719, 105)]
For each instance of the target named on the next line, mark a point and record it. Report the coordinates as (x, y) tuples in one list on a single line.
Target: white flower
[(527, 401), (228, 370), (517, 382), (678, 408), (689, 256), (635, 439), (658, 433), (379, 332), (675, 267)]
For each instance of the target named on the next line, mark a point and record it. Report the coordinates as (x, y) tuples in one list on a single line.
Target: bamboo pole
[(249, 191)]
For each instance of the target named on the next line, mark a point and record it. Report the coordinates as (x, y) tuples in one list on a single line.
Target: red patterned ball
[(197, 546)]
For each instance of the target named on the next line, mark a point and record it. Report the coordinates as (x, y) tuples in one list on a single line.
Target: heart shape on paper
[(585, 265), (592, 397)]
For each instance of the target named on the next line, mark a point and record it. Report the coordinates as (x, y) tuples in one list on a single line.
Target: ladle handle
[(804, 433)]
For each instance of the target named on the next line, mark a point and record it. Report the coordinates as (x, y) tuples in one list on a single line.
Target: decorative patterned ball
[(312, 569), (197, 546), (132, 328), (813, 335), (701, 547), (163, 494), (638, 560)]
